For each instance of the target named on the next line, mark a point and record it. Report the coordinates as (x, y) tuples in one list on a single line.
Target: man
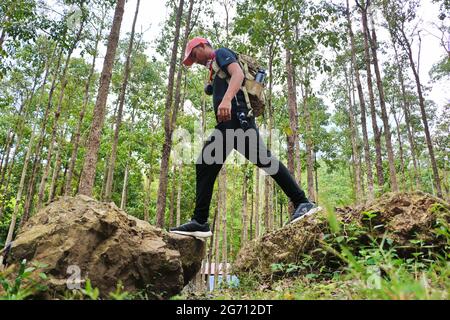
[(228, 101)]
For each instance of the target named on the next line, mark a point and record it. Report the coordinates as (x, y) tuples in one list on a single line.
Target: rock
[(107, 246), (408, 220)]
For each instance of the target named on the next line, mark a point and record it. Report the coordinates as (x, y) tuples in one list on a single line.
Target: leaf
[(29, 270), (43, 276)]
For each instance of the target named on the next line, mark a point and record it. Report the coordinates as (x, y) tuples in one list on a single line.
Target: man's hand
[(224, 110)]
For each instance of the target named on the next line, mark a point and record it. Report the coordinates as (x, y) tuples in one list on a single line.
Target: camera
[(242, 117), (208, 89)]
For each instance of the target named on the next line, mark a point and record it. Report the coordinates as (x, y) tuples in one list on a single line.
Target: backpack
[(253, 90)]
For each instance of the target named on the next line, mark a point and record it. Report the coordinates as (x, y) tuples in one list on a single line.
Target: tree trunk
[(63, 182), (167, 145), (268, 212), (405, 108), (316, 178), (105, 173), (217, 235), (429, 142), (76, 143), (309, 142), (56, 168), (292, 137), (232, 209), (223, 193), (244, 235), (147, 188), (362, 104), (251, 215), (400, 143), (5, 159), (257, 199), (123, 200), (172, 196), (37, 154), (354, 139), (180, 184), (384, 115), (267, 203), (90, 161), (376, 132), (10, 142), (212, 241), (56, 118), (4, 191), (12, 224), (123, 89)]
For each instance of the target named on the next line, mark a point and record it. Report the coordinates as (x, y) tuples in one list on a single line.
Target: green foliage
[(369, 269), (92, 293), (25, 284), (119, 294), (89, 291)]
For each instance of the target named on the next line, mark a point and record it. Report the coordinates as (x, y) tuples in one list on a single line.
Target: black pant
[(215, 151)]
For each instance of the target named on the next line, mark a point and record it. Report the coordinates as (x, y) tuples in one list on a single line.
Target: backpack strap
[(217, 71)]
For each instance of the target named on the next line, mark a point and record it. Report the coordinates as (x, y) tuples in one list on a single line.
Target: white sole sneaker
[(196, 234), (310, 212)]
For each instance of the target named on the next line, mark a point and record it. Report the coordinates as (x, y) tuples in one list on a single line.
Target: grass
[(372, 270), (390, 279)]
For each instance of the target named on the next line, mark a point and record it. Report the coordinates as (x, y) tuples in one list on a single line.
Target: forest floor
[(432, 283), (396, 247)]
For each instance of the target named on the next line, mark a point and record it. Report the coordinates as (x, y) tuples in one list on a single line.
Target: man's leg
[(208, 165), (213, 155), (257, 153)]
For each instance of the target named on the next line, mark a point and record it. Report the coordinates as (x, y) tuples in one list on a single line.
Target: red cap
[(191, 45)]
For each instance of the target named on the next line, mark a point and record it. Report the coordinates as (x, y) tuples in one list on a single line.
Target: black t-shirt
[(224, 57)]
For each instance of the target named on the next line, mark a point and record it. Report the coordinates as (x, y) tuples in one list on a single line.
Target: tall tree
[(405, 108), (363, 5), (12, 224), (123, 89), (292, 136), (179, 187), (172, 195), (362, 105), (223, 203), (217, 231), (37, 154), (244, 235), (86, 98), (384, 116), (354, 139), (168, 114), (57, 167), (90, 162), (57, 115), (306, 94), (397, 15), (257, 202), (400, 144)]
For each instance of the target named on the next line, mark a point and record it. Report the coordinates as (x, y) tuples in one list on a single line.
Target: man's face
[(200, 54)]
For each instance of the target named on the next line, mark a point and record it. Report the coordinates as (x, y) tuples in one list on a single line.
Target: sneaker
[(303, 210), (193, 228)]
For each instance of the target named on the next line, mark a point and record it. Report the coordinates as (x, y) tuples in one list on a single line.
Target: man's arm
[(237, 77)]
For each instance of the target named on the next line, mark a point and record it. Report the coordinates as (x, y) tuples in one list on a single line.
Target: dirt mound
[(79, 237), (406, 221)]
